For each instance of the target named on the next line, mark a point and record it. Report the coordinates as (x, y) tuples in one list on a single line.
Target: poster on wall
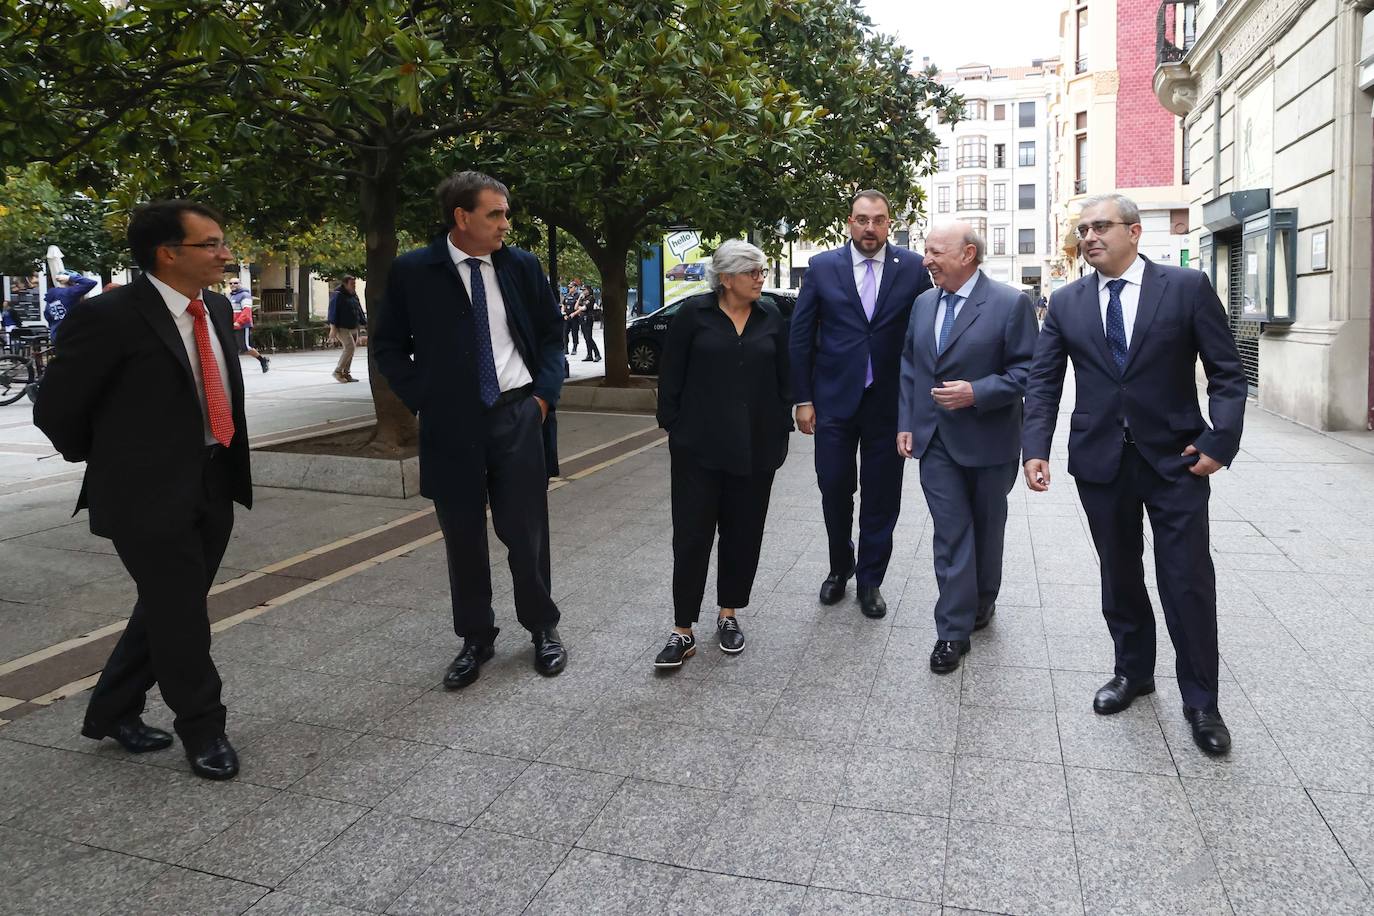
[(684, 265)]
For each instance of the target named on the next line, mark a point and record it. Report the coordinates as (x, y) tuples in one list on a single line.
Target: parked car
[(644, 336), (676, 272)]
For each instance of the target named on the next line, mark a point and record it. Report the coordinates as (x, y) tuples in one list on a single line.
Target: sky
[(1000, 33)]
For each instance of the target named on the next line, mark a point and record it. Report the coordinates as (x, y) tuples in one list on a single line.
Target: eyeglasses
[(213, 245), (877, 222), (1099, 227), (758, 273)]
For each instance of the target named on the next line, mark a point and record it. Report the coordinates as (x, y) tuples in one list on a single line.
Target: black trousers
[(858, 450), (706, 500), (587, 338), (167, 639), (518, 492), (1183, 567), (570, 332)]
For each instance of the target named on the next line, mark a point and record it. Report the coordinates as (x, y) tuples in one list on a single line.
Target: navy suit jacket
[(832, 340), (1179, 319), (425, 345), (990, 345)]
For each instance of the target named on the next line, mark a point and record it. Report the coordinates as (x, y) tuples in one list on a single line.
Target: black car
[(644, 336)]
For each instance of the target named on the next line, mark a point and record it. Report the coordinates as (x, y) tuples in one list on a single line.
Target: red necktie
[(221, 417)]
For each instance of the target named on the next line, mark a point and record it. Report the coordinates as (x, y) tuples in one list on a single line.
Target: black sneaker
[(730, 635), (263, 361), (678, 648)]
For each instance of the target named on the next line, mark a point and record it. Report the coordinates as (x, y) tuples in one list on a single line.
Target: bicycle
[(21, 368)]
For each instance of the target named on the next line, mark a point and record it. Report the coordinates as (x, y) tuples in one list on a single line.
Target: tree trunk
[(379, 202), (614, 290)]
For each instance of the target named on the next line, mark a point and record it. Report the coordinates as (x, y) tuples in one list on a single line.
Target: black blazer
[(1179, 319), (423, 341), (121, 397), (724, 397)]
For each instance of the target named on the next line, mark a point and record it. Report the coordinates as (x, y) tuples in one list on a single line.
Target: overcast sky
[(1000, 33)]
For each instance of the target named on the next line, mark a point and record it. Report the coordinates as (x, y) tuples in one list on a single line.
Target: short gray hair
[(968, 236), (1125, 207), (734, 256)]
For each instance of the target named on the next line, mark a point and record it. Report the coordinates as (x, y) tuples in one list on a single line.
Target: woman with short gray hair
[(725, 399)]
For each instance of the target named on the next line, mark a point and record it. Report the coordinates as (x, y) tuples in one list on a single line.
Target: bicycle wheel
[(16, 374)]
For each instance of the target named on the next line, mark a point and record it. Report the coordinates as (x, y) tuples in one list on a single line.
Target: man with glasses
[(1137, 441), (148, 392), (846, 344)]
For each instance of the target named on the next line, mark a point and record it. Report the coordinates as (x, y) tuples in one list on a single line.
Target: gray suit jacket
[(991, 346)]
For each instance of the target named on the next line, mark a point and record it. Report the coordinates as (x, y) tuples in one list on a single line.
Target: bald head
[(953, 252)]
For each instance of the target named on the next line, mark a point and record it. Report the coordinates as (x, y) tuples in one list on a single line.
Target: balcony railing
[(1080, 186), (973, 203), (973, 162), (1175, 30)]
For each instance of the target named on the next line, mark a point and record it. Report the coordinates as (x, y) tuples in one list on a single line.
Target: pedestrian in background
[(571, 322), (62, 298), (345, 316), (725, 398), (242, 302), (8, 320), (588, 318)]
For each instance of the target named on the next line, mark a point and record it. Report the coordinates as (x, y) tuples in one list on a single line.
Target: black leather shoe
[(871, 601), (832, 589), (945, 657), (1118, 694), (729, 635), (549, 655), (467, 665), (134, 737), (985, 616), (1209, 731), (215, 760)]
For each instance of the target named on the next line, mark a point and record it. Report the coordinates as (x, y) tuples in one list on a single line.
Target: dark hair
[(461, 190), (158, 223), (871, 194)]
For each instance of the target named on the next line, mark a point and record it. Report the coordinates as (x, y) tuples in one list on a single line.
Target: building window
[(1080, 153), (942, 159), (973, 153), (973, 193), (999, 240), (1080, 64), (1025, 197), (999, 196), (1025, 153), (1025, 241), (999, 155), (1187, 153), (942, 198), (980, 226), (975, 110), (1026, 114), (999, 112)]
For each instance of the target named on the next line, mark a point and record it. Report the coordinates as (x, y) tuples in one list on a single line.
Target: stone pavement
[(825, 770)]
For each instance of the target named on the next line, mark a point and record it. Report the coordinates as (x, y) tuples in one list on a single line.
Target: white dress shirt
[(964, 292), (1130, 296), (511, 371), (186, 327), (879, 258)]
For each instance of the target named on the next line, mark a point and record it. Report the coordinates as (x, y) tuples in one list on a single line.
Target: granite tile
[(1015, 792), (287, 751), (367, 771), (1008, 688), (1150, 874), (825, 902), (768, 838), (592, 882), (907, 722), (180, 891), (1351, 819), (279, 904), (901, 780), (1113, 803), (1009, 734), (1011, 869), (703, 894), (68, 878), (816, 714), (631, 822), (454, 787), (882, 853), (276, 839), (802, 770), (527, 807)]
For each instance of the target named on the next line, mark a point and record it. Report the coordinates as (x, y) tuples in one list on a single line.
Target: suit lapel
[(154, 310), (891, 264), (845, 267), (1152, 286), (925, 324), (503, 264), (968, 312)]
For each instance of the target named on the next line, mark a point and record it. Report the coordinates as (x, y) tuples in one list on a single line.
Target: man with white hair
[(968, 350)]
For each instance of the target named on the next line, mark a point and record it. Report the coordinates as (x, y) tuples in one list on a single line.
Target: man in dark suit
[(147, 391), (846, 343), (469, 336), (1137, 439), (968, 349)]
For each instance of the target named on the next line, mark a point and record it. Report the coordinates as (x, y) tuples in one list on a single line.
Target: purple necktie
[(868, 295)]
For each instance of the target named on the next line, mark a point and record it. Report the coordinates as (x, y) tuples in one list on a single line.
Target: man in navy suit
[(846, 344), (1135, 330), (968, 350), (469, 336)]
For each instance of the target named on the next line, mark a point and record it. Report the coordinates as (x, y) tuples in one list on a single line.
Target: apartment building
[(994, 168)]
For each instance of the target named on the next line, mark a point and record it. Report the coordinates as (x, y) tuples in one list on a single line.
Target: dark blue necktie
[(486, 361), (947, 325), (1116, 323)]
